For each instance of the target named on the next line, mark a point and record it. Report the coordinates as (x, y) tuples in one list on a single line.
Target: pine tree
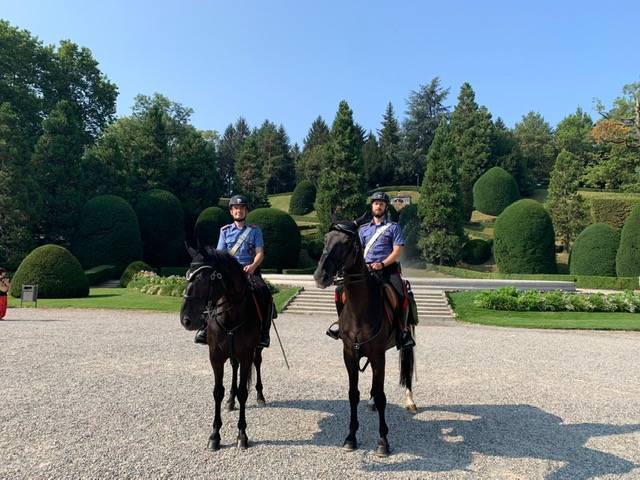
[(56, 162), (342, 182), (535, 138), (318, 134), (249, 176), (505, 153), (573, 134), (472, 132), (389, 136), (313, 152), (373, 159), (566, 206), (440, 205)]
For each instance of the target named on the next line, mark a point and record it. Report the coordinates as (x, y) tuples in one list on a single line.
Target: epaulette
[(225, 226)]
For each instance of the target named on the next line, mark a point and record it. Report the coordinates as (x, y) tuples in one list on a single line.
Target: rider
[(383, 243), (245, 243)]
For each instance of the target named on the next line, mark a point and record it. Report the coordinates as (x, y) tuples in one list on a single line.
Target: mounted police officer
[(246, 244), (383, 243)]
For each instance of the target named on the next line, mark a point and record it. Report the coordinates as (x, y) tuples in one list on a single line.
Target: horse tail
[(406, 367)]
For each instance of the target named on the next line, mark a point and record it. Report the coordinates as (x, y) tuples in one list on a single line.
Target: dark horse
[(364, 329), (218, 287)]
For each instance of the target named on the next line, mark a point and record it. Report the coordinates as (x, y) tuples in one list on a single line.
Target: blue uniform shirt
[(384, 244), (247, 252)]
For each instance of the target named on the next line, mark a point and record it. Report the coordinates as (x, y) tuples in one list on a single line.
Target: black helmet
[(238, 200), (381, 197)]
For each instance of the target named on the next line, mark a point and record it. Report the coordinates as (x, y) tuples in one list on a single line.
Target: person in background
[(4, 289)]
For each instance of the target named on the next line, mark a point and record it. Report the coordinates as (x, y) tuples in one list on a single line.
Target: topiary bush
[(594, 251), (303, 198), (612, 210), (107, 234), (55, 270), (131, 270), (628, 255), (161, 220), (313, 246), (281, 237), (476, 251), (494, 191), (207, 229), (524, 240)]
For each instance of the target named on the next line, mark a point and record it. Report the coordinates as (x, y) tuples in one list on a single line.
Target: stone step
[(109, 284)]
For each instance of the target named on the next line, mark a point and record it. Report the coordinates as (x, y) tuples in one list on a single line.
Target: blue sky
[(290, 61)]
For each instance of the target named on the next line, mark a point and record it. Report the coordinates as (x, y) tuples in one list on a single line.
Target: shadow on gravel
[(441, 442)]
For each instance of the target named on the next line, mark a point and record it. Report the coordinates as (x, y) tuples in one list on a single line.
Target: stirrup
[(335, 334), (201, 336)]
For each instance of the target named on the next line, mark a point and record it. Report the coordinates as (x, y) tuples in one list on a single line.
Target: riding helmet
[(380, 196), (238, 200)]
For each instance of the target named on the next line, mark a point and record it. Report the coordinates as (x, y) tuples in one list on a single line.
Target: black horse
[(219, 289), (364, 327)]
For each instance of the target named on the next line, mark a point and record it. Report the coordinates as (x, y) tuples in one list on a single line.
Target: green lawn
[(466, 311), (129, 299), (281, 202)]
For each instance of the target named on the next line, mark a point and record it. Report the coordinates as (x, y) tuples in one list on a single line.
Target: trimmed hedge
[(581, 281), (313, 246), (594, 251), (108, 233), (612, 211), (628, 255), (131, 270), (55, 270), (476, 251), (281, 237), (161, 219), (524, 240), (494, 191), (101, 273), (208, 224), (303, 198)]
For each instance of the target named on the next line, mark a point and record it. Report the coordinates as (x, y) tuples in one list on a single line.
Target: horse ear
[(361, 220), (190, 250)]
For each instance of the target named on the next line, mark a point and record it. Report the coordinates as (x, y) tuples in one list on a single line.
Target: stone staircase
[(433, 306), (109, 284)]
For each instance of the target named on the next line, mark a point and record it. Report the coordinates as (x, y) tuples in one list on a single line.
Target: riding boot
[(265, 326), (334, 330), (201, 335), (404, 339)]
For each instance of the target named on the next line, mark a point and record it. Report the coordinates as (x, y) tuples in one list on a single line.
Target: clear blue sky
[(289, 61)]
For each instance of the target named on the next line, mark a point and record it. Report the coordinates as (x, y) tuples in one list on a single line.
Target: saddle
[(391, 301)]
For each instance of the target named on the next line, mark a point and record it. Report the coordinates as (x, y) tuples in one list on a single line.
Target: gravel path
[(95, 394)]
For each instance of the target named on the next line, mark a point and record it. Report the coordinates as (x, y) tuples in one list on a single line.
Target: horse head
[(342, 248)]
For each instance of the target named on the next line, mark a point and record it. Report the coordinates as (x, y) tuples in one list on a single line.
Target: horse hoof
[(243, 443), (229, 406), (214, 444), (372, 407), (382, 450), (411, 408), (261, 402), (350, 445)]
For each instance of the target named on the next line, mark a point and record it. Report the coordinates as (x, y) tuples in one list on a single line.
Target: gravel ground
[(95, 394)]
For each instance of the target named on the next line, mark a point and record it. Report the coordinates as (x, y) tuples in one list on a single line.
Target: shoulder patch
[(225, 226)]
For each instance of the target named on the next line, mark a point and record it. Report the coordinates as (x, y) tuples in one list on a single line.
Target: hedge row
[(612, 211), (99, 274), (511, 299)]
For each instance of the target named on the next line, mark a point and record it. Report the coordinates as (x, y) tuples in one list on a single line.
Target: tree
[(425, 109), (440, 205), (313, 152), (472, 133), (389, 135), (318, 134), (342, 182), (566, 206), (56, 163), (573, 134), (505, 153), (537, 146), (373, 160), (249, 176)]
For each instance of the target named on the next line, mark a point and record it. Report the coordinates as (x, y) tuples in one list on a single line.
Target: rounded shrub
[(281, 237), (476, 251), (628, 256), (594, 251), (302, 198), (494, 191), (131, 270), (55, 270), (524, 241), (107, 234), (161, 220), (207, 229), (313, 246)]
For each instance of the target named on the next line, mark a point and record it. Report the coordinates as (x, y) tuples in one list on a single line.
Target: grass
[(466, 311), (281, 202), (130, 299)]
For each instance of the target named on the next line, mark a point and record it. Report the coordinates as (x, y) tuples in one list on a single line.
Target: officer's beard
[(379, 215)]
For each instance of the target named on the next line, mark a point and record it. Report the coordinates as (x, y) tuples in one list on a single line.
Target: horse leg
[(257, 361), (407, 365), (243, 393), (231, 401), (351, 362), (218, 396), (380, 399)]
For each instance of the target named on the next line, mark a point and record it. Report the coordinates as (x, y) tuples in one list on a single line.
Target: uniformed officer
[(383, 243), (245, 243)]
